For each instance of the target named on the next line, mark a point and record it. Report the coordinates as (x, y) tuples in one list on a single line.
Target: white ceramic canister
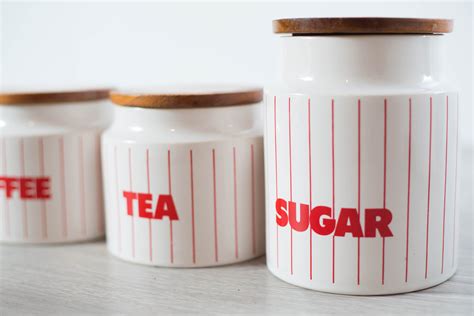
[(50, 174), (361, 156), (184, 176)]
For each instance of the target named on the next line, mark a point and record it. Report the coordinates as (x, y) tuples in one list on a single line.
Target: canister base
[(178, 265), (361, 290), (50, 242)]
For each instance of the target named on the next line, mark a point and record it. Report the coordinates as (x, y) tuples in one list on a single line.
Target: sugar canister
[(361, 156)]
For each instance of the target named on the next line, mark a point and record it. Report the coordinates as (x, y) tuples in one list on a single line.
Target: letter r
[(378, 219)]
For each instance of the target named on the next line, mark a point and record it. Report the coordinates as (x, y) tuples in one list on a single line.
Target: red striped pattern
[(358, 182), (171, 222), (131, 189), (384, 180), (445, 179), (333, 192), (429, 189), (310, 191), (408, 192), (295, 107), (63, 187), (193, 231), (150, 229), (216, 252), (45, 156), (119, 229), (276, 174), (44, 220), (25, 206)]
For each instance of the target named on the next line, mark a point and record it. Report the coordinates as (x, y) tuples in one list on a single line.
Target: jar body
[(51, 172), (184, 187), (361, 161)]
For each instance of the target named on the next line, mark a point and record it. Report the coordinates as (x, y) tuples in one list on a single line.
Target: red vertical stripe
[(119, 228), (384, 180), (236, 236), (445, 178), (276, 175), (25, 207), (429, 190), (171, 222), (310, 192), (455, 180), (333, 193), (100, 193), (216, 253), (82, 185), (63, 186), (131, 189), (291, 182), (44, 219), (192, 204), (252, 160), (408, 191), (7, 206), (358, 183), (150, 229)]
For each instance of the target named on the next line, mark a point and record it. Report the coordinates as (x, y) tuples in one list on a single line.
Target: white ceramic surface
[(357, 123), (50, 177), (185, 187)]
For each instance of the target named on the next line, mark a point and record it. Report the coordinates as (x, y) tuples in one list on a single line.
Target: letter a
[(165, 207)]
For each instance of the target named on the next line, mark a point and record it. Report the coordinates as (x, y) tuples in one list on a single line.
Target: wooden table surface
[(85, 279)]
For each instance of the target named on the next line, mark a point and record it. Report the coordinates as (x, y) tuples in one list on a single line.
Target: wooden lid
[(188, 97), (19, 98), (362, 26)]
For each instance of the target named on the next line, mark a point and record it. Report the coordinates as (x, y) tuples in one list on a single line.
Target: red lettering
[(130, 196), (165, 207), (27, 187), (372, 224), (144, 205), (302, 225), (322, 223), (42, 188), (282, 216), (324, 226), (348, 222), (9, 185)]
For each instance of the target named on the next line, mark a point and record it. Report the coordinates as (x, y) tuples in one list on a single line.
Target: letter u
[(302, 225)]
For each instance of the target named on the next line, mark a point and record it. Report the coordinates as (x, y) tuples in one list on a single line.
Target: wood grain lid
[(188, 97), (362, 25), (40, 97)]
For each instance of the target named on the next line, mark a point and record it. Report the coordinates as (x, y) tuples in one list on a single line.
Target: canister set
[(353, 155)]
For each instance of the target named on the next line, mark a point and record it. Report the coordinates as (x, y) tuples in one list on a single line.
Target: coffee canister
[(361, 156), (184, 176), (50, 173)]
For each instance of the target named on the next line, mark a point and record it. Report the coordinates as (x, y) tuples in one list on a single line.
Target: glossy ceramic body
[(199, 175), (357, 123), (57, 145)]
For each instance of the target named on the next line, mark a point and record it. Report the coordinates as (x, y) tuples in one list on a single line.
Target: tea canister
[(50, 173), (184, 176), (361, 156)]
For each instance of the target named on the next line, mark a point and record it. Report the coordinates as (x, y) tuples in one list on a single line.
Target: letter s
[(281, 216)]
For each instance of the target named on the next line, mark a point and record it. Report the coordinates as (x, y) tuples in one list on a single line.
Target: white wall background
[(119, 44)]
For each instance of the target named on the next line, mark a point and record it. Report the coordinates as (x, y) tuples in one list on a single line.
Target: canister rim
[(362, 25), (57, 96), (187, 97)]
